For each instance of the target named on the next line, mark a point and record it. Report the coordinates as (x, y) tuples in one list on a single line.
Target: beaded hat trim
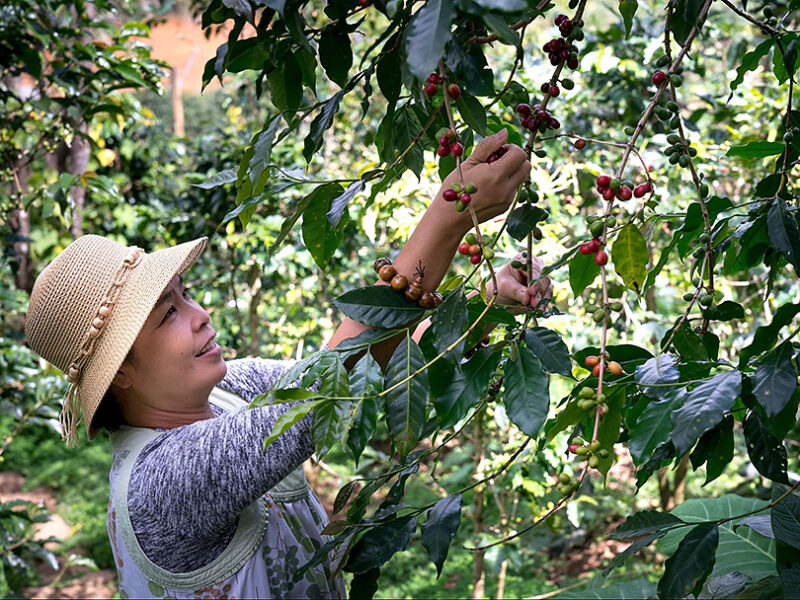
[(70, 412)]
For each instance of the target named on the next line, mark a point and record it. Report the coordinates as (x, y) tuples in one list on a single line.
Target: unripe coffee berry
[(470, 188), (471, 238), (614, 368), (474, 249), (591, 361), (488, 253)]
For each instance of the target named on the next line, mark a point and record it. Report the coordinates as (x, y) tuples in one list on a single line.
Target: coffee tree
[(443, 73)]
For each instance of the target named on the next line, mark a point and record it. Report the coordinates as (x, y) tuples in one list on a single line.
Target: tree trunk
[(78, 161), (501, 580), (176, 79), (20, 222), (478, 569), (674, 493)]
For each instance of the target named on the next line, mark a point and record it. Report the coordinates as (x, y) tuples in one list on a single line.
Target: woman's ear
[(121, 380)]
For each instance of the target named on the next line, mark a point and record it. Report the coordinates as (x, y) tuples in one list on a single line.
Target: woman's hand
[(512, 288), (497, 182)]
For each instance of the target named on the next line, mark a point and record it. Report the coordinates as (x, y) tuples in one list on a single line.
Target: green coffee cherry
[(615, 184), (673, 160), (629, 129), (674, 138), (470, 188), (593, 462), (598, 315), (515, 264), (687, 297), (578, 440), (696, 282), (610, 221), (596, 228), (703, 190), (564, 478), (540, 152), (684, 160), (615, 306), (705, 300), (662, 61), (675, 122), (704, 238), (488, 253), (586, 392), (672, 105), (471, 238), (676, 80), (567, 84), (604, 453), (594, 446), (581, 450)]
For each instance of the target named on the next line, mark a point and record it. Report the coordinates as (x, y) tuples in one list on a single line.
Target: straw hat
[(87, 308)]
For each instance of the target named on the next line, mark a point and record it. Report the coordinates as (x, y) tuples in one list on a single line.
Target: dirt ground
[(75, 582)]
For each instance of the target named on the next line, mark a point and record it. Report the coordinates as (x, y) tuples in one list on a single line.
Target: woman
[(197, 508)]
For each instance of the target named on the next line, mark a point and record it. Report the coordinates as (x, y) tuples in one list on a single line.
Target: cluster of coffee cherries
[(432, 84), (612, 187), (704, 298), (470, 247), (536, 118), (591, 450), (593, 361), (497, 154), (593, 247), (679, 154), (412, 291), (448, 144), (460, 194), (563, 49), (659, 77), (599, 314)]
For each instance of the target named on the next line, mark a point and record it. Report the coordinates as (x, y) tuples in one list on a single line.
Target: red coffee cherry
[(475, 259), (456, 149), (553, 91), (641, 189), (573, 448), (453, 91), (624, 193), (591, 360), (465, 198), (580, 144), (594, 244), (603, 181), (523, 110), (434, 78), (608, 194), (585, 249), (463, 248), (431, 89), (601, 257), (450, 195), (659, 77), (443, 151)]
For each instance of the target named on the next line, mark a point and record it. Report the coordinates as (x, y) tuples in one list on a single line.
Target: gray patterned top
[(189, 485)]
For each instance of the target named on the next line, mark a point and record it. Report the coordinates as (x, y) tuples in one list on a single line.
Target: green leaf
[(627, 8), (293, 394), (653, 427), (448, 324), (378, 306), (741, 549), (505, 34), (526, 392), (523, 219), (784, 232), (645, 522), (286, 84), (294, 415), (320, 237), (366, 380), (703, 408), (785, 517), (407, 405), (439, 529), (659, 370), (766, 335), (775, 380), (406, 133), (378, 544), (339, 204), (715, 448), (472, 111), (335, 54), (328, 429), (725, 311), (387, 70), (427, 35), (467, 386), (217, 180), (321, 123), (765, 450), (549, 348), (685, 18), (751, 60), (629, 255), (687, 569), (787, 562), (364, 585), (758, 149), (639, 543), (582, 272)]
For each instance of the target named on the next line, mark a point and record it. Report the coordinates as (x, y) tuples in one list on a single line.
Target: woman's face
[(175, 362)]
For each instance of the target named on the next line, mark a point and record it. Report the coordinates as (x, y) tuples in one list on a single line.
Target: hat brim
[(137, 299)]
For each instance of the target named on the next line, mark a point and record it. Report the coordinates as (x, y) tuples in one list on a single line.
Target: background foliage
[(324, 108)]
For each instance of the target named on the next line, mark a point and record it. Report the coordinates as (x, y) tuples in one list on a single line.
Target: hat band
[(70, 410)]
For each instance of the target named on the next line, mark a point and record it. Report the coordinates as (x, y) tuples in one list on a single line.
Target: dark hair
[(108, 416)]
